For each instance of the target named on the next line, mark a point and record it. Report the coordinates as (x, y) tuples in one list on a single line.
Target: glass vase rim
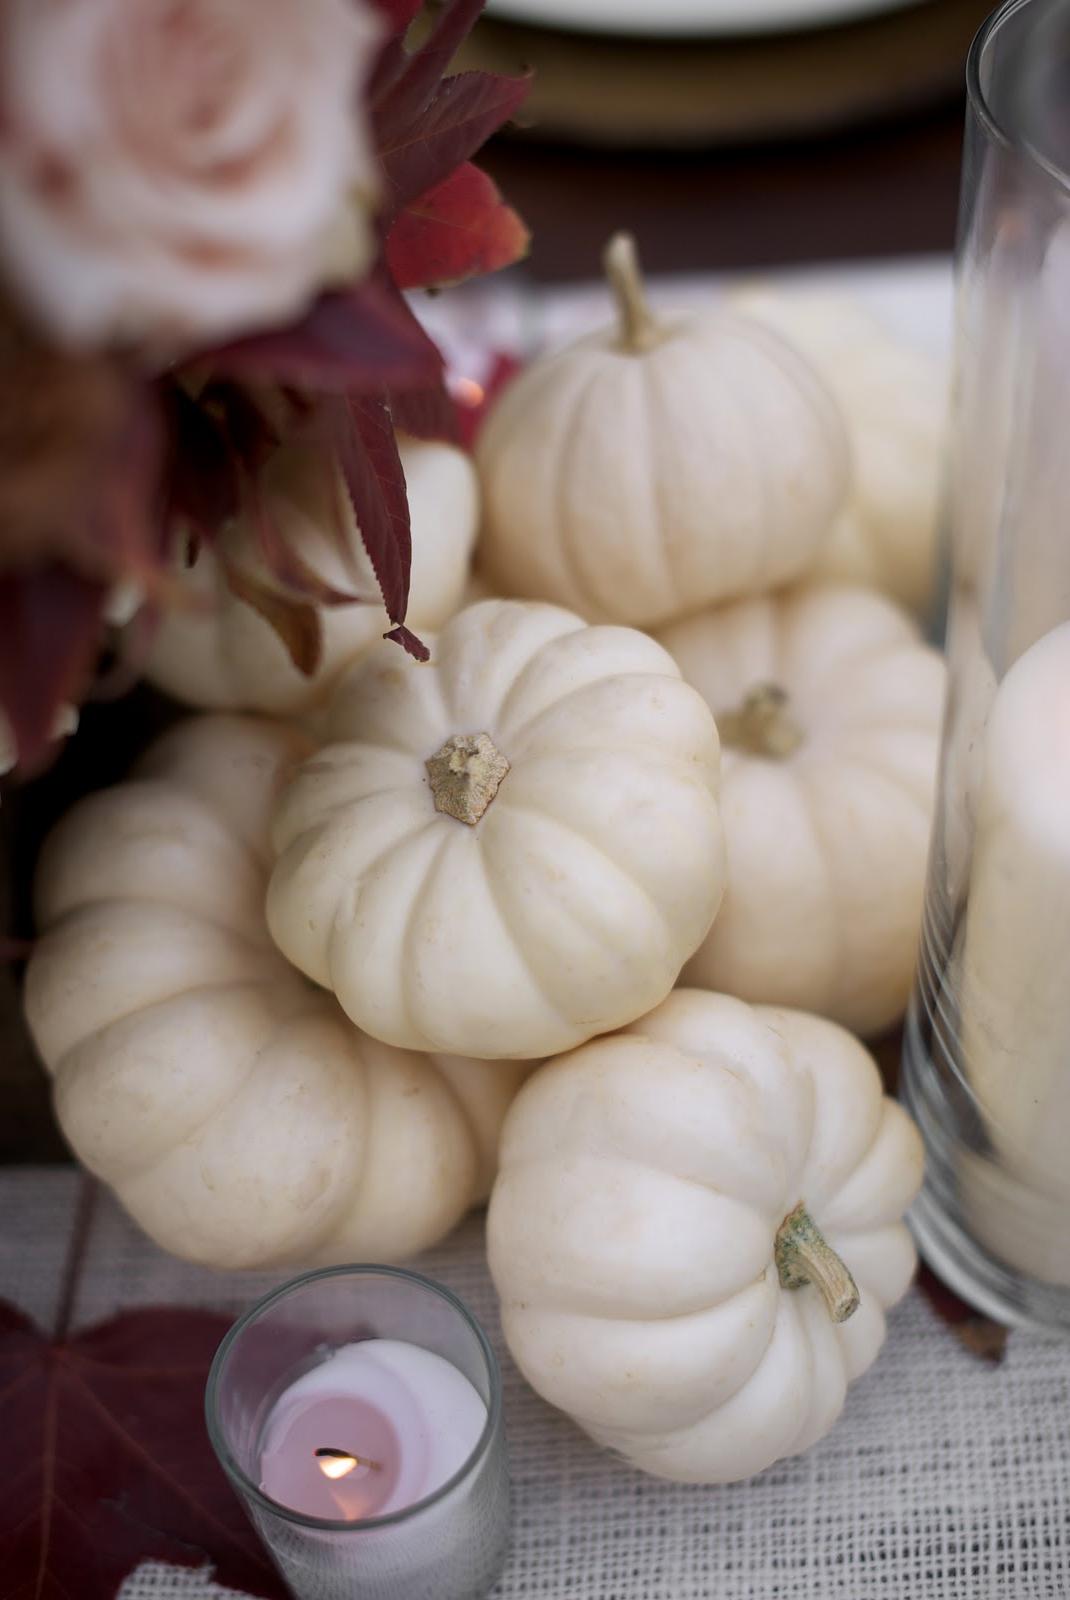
[(993, 125), (252, 1491)]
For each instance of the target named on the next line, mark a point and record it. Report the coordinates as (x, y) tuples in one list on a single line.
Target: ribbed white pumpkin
[(894, 399), (510, 849), (223, 655), (238, 1115), (829, 709), (658, 1280), (659, 465)]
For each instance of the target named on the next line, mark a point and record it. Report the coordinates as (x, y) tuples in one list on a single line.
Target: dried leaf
[(295, 621), (980, 1335), (364, 338), (459, 229), (50, 622), (114, 1465), (286, 566), (362, 435)]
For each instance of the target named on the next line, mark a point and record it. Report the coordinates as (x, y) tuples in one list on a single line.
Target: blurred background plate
[(697, 18), (673, 93)]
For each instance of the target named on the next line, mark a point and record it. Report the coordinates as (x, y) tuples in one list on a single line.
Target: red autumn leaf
[(460, 228), (50, 621), (425, 413), (426, 124), (461, 116), (405, 81), (980, 1335), (361, 431), (358, 339), (114, 1466), (409, 642), (200, 480)]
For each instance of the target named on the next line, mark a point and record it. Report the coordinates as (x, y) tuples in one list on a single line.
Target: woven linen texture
[(946, 1479)]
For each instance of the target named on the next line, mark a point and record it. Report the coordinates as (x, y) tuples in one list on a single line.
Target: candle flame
[(336, 1464), (468, 392)]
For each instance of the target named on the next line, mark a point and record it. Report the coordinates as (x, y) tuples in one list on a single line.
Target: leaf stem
[(75, 1257)]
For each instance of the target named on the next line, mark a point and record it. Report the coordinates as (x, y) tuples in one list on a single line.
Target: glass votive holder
[(427, 1401)]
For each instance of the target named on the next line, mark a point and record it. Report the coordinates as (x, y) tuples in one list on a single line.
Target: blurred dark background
[(737, 152)]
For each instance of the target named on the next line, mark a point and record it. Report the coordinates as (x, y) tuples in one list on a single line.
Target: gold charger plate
[(596, 90)]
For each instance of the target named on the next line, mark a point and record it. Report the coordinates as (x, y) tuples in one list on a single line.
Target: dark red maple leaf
[(425, 413), (114, 1466), (363, 337), (980, 1335), (460, 228), (418, 152), (361, 430)]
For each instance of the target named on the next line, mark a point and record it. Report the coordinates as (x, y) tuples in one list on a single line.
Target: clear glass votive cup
[(986, 1062), (450, 1545)]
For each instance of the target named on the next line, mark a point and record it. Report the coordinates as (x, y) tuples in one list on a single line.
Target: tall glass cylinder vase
[(987, 1054)]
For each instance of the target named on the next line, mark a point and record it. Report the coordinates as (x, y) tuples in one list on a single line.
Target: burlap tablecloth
[(946, 1478)]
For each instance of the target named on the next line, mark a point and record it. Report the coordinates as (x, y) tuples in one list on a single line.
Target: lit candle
[(376, 1427), (1015, 991), (357, 1412)]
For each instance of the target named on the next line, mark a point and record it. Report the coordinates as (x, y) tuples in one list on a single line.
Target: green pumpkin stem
[(803, 1256)]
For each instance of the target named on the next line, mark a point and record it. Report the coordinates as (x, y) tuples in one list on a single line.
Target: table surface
[(945, 1479)]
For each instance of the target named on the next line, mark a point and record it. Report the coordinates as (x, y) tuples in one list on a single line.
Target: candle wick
[(328, 1452)]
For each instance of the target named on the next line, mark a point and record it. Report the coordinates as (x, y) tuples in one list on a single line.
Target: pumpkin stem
[(762, 724), (803, 1256), (465, 775), (638, 329)]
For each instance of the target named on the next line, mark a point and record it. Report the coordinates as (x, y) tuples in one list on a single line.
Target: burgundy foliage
[(193, 441), (114, 1466)]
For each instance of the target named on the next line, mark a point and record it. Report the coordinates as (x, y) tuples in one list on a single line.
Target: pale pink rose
[(173, 172)]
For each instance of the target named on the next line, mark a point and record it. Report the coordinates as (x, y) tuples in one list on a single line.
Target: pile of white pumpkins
[(295, 974)]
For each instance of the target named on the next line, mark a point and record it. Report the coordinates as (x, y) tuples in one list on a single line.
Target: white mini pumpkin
[(894, 400), (222, 654), (508, 850), (829, 709), (696, 1231), (238, 1115), (659, 465)]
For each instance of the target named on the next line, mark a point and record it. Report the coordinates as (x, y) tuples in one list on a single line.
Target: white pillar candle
[(1025, 479), (1015, 978), (406, 1419)]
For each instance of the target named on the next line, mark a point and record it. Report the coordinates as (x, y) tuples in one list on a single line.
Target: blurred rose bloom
[(174, 172)]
